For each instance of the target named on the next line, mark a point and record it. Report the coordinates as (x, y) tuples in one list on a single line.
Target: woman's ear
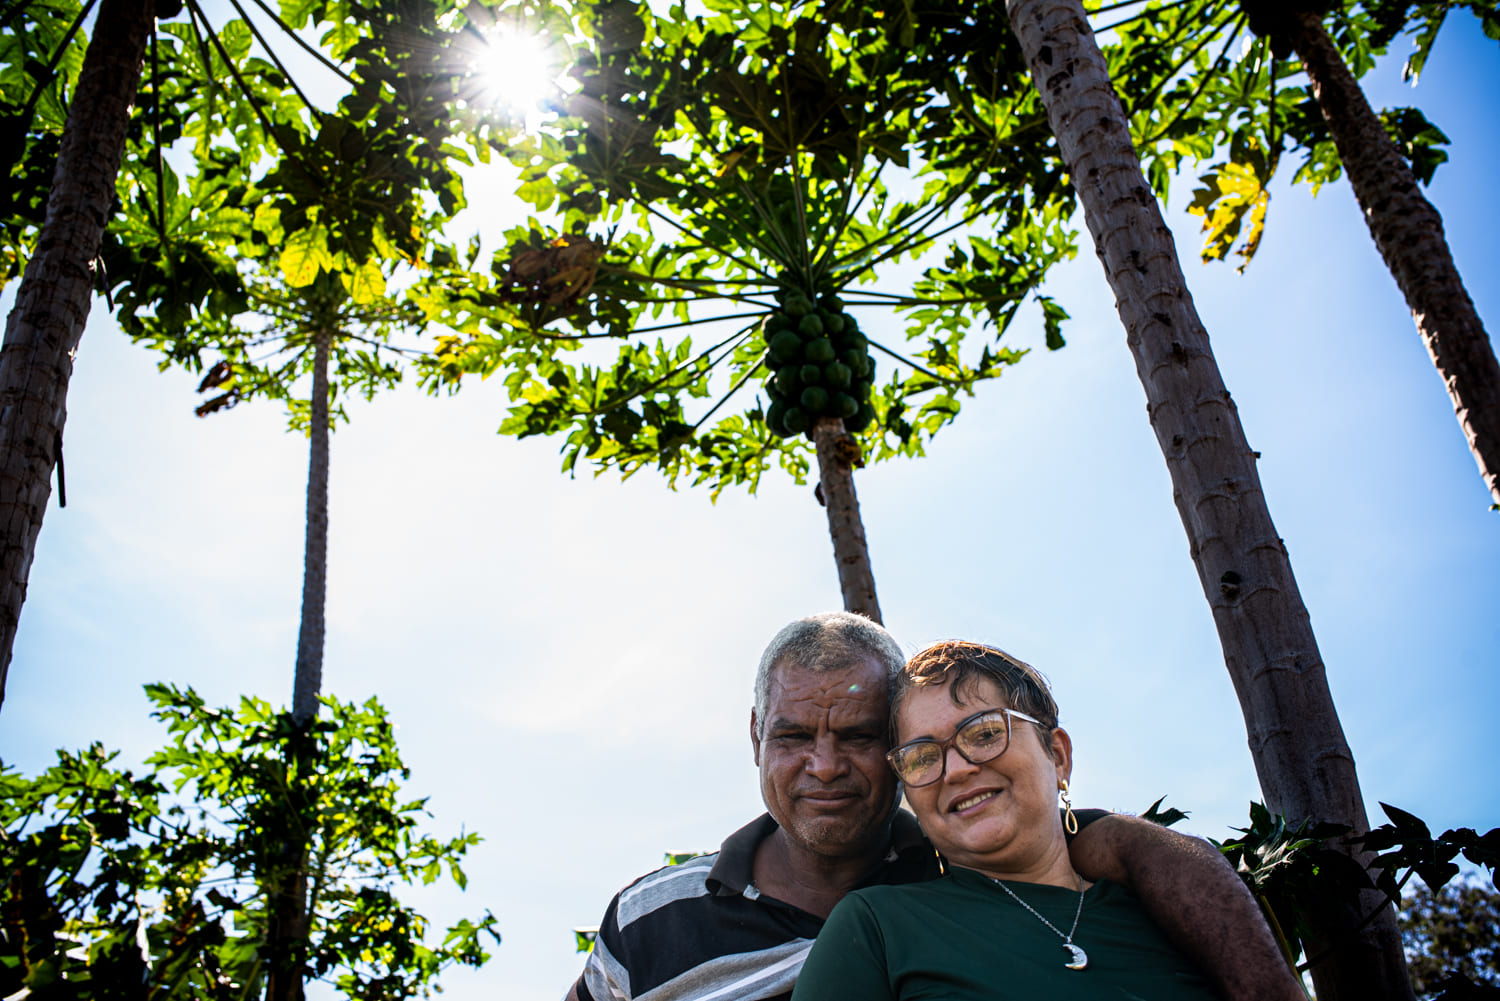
[(1061, 749)]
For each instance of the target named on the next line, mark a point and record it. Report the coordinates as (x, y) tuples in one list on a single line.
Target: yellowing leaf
[(304, 255), (365, 284), (1233, 205)]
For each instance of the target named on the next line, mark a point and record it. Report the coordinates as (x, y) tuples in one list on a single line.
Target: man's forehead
[(855, 686)]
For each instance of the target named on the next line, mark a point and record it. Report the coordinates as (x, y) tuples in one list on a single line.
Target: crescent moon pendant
[(1079, 957)]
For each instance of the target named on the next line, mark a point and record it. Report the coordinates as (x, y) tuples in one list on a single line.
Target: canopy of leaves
[(298, 222), (715, 164), (157, 886), (38, 68), (1204, 78)]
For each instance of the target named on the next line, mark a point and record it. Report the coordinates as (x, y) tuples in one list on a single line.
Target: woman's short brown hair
[(961, 664)]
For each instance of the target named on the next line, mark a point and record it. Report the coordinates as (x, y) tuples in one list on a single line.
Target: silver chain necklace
[(1078, 959)]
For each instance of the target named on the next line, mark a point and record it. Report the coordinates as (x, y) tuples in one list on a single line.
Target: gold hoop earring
[(1069, 820)]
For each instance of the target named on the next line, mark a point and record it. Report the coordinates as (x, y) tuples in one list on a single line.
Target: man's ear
[(755, 738)]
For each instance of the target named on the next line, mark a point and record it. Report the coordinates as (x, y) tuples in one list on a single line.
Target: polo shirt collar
[(733, 870)]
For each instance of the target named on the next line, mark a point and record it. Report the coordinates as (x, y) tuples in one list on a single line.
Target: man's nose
[(826, 762)]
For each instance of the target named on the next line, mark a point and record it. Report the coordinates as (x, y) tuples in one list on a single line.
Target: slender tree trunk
[(1409, 234), (1301, 757), (837, 451), (287, 935), (283, 874), (46, 323), (308, 680)]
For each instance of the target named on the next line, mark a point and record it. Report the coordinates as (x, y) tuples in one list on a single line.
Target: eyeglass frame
[(952, 742)]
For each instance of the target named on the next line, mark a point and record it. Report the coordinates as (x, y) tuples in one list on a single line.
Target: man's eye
[(790, 738)]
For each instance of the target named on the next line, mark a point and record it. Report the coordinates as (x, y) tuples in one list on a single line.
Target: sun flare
[(519, 71)]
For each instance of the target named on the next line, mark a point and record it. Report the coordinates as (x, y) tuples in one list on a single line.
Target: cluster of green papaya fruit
[(820, 365)]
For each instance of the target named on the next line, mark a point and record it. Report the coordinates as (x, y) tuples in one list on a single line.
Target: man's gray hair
[(826, 642)]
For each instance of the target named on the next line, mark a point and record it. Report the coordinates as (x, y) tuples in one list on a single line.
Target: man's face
[(823, 773)]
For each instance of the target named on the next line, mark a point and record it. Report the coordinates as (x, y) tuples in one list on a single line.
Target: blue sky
[(570, 660)]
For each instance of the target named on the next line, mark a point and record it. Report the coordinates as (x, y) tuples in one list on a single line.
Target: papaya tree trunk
[(837, 452), (1408, 231), (307, 682), (284, 873), (46, 323), (1303, 762), (289, 920)]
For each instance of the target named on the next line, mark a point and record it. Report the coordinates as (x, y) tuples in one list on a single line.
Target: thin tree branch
[(945, 380), (53, 61), (1184, 106), (1150, 11), (274, 57), (311, 50), (750, 372)]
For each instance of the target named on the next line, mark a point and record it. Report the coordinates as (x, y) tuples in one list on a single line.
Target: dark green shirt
[(961, 938)]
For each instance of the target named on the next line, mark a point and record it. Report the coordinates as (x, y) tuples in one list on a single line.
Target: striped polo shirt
[(701, 931)]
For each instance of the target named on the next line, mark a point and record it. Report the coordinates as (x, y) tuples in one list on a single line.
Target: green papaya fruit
[(815, 399), (776, 417), (797, 305), (861, 419), (811, 375), (785, 346), (861, 389), (820, 351), (796, 420), (833, 323), (777, 320), (787, 381), (810, 325), (853, 341), (843, 405), (836, 374), (831, 302)]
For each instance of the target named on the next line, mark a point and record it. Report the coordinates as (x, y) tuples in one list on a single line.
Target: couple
[(1018, 906)]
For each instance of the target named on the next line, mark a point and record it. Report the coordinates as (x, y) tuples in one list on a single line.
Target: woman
[(982, 762)]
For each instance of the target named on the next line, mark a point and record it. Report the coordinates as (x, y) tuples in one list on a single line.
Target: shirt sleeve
[(605, 975), (847, 962)]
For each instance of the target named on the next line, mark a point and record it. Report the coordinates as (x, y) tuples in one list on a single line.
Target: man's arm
[(1195, 898), (572, 992)]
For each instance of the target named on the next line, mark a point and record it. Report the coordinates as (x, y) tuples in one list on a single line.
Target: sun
[(519, 70)]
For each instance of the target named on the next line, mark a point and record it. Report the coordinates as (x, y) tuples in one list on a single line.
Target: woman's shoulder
[(903, 897)]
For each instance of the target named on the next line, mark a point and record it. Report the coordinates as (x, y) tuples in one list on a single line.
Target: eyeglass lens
[(979, 739)]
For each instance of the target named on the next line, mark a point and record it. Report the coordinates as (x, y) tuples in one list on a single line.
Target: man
[(737, 925)]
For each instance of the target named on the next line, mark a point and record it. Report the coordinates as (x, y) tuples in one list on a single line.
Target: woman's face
[(999, 817)]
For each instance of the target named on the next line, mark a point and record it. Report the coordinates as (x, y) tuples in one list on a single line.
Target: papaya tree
[(158, 884), (1297, 743), (290, 296), (306, 299), (750, 168), (1214, 75), (218, 93)]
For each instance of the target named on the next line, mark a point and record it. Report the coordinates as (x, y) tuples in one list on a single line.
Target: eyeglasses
[(980, 738)]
